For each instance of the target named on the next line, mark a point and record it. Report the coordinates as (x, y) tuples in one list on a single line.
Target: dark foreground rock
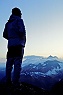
[(23, 89), (57, 89), (28, 89)]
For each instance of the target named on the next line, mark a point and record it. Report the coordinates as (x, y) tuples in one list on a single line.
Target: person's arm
[(5, 34), (22, 31), (21, 28)]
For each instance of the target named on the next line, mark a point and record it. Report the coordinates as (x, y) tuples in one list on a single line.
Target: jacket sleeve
[(21, 27), (5, 34)]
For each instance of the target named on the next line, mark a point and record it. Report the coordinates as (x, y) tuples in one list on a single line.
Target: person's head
[(16, 11)]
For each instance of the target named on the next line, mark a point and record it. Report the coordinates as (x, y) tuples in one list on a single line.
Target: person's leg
[(9, 65), (17, 67), (17, 70)]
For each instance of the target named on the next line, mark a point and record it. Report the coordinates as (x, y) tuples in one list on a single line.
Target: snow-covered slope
[(41, 71), (38, 59)]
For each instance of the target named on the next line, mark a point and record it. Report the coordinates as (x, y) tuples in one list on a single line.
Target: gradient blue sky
[(44, 26)]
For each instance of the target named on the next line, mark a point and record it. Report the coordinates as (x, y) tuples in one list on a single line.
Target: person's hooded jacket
[(14, 31)]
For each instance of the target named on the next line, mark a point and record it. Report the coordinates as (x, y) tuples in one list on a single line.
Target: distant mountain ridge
[(40, 71), (52, 57), (38, 59), (45, 67)]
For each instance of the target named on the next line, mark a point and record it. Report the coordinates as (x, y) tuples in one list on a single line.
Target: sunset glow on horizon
[(44, 26)]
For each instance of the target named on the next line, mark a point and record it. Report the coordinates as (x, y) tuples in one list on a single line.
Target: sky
[(43, 21)]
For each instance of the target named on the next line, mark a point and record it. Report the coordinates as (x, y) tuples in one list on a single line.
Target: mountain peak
[(52, 57)]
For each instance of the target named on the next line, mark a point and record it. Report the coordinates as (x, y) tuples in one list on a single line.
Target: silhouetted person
[(15, 33)]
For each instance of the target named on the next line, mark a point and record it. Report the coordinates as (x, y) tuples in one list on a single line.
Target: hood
[(13, 17)]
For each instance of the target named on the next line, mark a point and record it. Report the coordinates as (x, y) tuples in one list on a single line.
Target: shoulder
[(20, 20), (6, 24)]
